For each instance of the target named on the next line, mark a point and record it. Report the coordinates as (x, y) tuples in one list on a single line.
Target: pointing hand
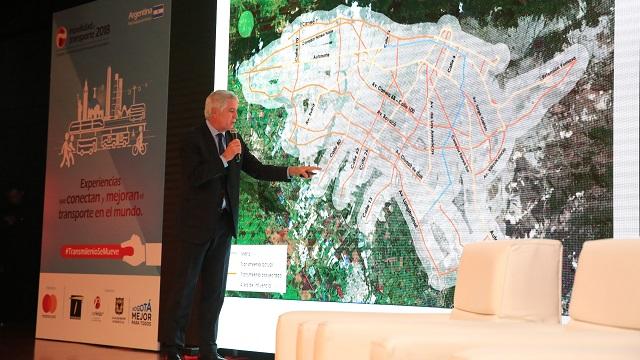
[(303, 171)]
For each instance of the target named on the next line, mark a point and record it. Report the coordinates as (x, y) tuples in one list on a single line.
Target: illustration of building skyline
[(114, 110), (103, 122)]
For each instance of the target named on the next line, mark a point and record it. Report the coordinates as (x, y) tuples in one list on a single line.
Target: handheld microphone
[(233, 134)]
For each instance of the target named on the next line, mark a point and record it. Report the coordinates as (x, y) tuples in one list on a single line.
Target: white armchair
[(604, 319)]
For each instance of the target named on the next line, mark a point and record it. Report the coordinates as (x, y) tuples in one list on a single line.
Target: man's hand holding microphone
[(234, 148)]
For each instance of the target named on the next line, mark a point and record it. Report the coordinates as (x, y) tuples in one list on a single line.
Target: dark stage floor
[(17, 342)]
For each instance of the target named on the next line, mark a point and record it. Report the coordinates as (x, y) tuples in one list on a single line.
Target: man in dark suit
[(211, 163)]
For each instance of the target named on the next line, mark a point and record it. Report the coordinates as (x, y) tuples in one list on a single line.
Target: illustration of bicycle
[(140, 147)]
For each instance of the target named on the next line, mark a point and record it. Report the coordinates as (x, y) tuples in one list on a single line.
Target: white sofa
[(495, 284)]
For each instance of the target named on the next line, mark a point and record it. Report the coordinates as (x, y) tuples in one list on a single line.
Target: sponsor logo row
[(78, 307)]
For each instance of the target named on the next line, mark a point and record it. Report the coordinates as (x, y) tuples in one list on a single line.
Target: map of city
[(417, 129)]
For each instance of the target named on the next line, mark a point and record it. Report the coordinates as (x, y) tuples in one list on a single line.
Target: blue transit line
[(449, 136)]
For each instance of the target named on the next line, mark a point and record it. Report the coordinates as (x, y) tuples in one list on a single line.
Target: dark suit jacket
[(205, 175)]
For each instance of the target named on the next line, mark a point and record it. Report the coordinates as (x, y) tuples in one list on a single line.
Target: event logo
[(96, 302), (141, 314), (146, 14), (75, 307), (49, 303), (61, 37), (83, 36)]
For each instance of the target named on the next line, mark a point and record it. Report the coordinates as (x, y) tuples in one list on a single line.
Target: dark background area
[(25, 41)]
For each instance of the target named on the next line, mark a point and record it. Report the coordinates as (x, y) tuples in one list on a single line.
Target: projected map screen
[(436, 124)]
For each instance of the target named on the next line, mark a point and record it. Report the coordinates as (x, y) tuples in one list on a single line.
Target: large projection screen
[(436, 124)]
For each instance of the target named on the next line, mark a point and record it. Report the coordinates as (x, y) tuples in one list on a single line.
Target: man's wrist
[(224, 162)]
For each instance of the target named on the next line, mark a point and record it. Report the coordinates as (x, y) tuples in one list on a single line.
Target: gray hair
[(217, 99)]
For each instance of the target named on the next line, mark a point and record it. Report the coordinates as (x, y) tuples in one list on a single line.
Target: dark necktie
[(220, 140), (223, 196)]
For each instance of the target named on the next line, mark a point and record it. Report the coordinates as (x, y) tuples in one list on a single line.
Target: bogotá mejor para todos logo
[(141, 314)]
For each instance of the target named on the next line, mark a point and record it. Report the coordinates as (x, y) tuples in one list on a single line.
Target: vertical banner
[(102, 231)]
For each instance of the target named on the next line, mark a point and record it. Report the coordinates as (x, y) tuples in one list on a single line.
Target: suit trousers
[(210, 262)]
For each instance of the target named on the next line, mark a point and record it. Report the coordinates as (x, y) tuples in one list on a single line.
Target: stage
[(17, 342)]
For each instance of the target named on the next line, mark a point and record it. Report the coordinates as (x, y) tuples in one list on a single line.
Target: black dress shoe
[(170, 355)]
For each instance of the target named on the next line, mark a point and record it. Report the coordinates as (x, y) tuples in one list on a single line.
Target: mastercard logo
[(61, 37), (49, 303)]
